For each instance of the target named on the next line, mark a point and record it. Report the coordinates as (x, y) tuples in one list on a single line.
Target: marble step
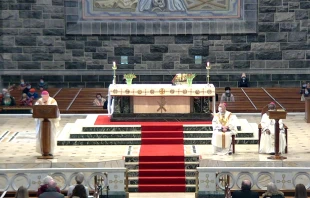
[(137, 141), (188, 173), (137, 134), (187, 158), (135, 165), (189, 188), (111, 128), (135, 180), (106, 128)]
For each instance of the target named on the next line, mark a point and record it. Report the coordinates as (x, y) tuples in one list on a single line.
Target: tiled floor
[(17, 148), (18, 145)]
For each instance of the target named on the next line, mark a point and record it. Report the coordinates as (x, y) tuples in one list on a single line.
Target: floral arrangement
[(190, 76), (130, 76)]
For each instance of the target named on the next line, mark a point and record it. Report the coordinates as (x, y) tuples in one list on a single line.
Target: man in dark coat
[(245, 191), (51, 191)]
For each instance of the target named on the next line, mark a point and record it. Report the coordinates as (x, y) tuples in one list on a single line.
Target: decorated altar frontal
[(161, 98)]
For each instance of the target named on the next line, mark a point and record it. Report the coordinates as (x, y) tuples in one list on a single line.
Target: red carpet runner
[(105, 120), (161, 160)]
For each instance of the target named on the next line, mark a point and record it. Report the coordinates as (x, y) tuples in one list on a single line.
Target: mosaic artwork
[(161, 9), (160, 17), (160, 5)]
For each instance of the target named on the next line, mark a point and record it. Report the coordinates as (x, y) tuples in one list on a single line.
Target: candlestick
[(114, 75), (208, 67)]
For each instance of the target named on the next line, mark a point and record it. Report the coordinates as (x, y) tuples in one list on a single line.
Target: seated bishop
[(224, 126), (267, 139)]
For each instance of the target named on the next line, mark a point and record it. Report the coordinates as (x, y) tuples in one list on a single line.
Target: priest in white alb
[(224, 126), (47, 100), (267, 139)]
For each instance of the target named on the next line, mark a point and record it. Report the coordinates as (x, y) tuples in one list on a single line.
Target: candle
[(114, 64), (208, 64)]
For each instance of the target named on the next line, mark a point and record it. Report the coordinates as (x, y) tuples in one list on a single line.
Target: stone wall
[(34, 44)]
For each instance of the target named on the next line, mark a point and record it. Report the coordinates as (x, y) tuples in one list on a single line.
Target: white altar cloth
[(162, 90)]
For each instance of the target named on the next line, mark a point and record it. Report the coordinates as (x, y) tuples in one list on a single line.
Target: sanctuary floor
[(17, 149)]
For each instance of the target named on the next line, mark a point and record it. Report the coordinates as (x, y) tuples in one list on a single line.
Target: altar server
[(267, 139), (47, 100), (224, 126)]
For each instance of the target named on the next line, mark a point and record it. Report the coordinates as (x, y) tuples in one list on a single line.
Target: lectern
[(307, 109), (277, 115), (45, 112)]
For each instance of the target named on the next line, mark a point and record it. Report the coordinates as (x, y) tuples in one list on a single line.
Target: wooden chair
[(264, 110)]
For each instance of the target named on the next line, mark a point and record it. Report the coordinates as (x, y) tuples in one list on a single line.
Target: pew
[(80, 100)]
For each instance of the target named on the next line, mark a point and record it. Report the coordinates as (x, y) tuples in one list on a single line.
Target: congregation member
[(227, 96), (245, 191), (304, 91), (25, 100), (272, 191), (22, 192), (22, 85), (47, 100), (8, 100), (105, 104), (46, 184), (79, 192), (79, 178), (51, 191), (300, 191), (42, 85), (224, 126), (5, 91), (27, 89), (1, 98), (33, 94), (99, 100), (243, 81), (267, 139)]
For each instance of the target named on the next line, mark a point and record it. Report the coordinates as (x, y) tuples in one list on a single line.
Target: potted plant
[(189, 79), (129, 78)]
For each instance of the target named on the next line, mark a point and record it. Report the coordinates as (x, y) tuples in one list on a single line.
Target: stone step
[(188, 173), (135, 180), (137, 141), (111, 128), (187, 158), (137, 134), (135, 188), (135, 165)]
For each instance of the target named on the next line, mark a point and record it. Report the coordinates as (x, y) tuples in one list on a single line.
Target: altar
[(159, 98)]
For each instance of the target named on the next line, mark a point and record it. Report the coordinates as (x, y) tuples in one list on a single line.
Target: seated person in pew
[(243, 82), (25, 100), (22, 85), (272, 191), (27, 89), (99, 101), (1, 98), (267, 140), (42, 85), (8, 100), (245, 191), (227, 96), (32, 94), (105, 104), (224, 126)]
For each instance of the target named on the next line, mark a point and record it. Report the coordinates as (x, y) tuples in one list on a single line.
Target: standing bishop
[(47, 100), (267, 139), (224, 126)]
